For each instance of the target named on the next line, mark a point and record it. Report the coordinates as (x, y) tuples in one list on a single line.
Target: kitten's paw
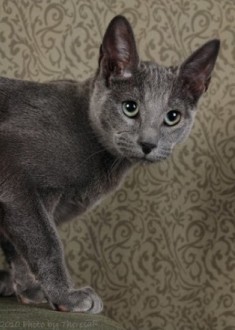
[(6, 284), (83, 300), (31, 295)]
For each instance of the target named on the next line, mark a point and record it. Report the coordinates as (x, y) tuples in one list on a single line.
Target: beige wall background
[(161, 250)]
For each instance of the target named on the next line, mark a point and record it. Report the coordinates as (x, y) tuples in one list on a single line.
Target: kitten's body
[(63, 145), (44, 124)]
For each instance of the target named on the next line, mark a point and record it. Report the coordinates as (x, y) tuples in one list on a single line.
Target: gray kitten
[(64, 144)]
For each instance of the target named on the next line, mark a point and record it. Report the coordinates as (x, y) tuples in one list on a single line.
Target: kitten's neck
[(115, 167)]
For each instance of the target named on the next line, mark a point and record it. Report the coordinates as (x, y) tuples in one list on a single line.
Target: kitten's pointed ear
[(196, 70), (118, 53)]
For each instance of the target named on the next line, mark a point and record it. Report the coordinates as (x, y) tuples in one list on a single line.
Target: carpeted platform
[(15, 316)]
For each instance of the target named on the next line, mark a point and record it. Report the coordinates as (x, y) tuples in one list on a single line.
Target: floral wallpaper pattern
[(161, 250)]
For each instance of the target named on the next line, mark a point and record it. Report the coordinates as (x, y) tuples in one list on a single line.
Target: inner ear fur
[(118, 52), (197, 69)]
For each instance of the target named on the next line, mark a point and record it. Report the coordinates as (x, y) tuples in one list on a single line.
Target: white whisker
[(90, 156)]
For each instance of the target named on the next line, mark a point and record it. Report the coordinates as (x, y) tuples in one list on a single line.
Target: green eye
[(130, 109), (172, 118)]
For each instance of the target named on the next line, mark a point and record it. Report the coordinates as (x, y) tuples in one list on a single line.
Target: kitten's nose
[(147, 147)]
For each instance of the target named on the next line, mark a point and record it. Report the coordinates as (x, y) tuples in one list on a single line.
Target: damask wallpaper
[(161, 250)]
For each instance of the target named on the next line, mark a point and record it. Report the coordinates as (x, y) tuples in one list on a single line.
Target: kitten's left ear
[(196, 70), (118, 53)]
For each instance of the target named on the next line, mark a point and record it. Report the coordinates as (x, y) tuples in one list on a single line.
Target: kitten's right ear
[(118, 53)]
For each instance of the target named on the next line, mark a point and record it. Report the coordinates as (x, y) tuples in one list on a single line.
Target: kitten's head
[(140, 109)]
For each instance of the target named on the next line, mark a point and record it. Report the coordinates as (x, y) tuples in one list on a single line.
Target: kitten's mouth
[(143, 159)]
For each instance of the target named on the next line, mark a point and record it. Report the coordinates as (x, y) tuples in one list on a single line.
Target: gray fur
[(65, 144)]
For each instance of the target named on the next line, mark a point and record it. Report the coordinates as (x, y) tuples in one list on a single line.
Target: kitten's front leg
[(34, 235)]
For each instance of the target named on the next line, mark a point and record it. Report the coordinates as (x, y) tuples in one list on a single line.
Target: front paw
[(83, 300)]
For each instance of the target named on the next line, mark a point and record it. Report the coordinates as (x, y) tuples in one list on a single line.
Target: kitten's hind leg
[(27, 288), (6, 284), (19, 280)]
